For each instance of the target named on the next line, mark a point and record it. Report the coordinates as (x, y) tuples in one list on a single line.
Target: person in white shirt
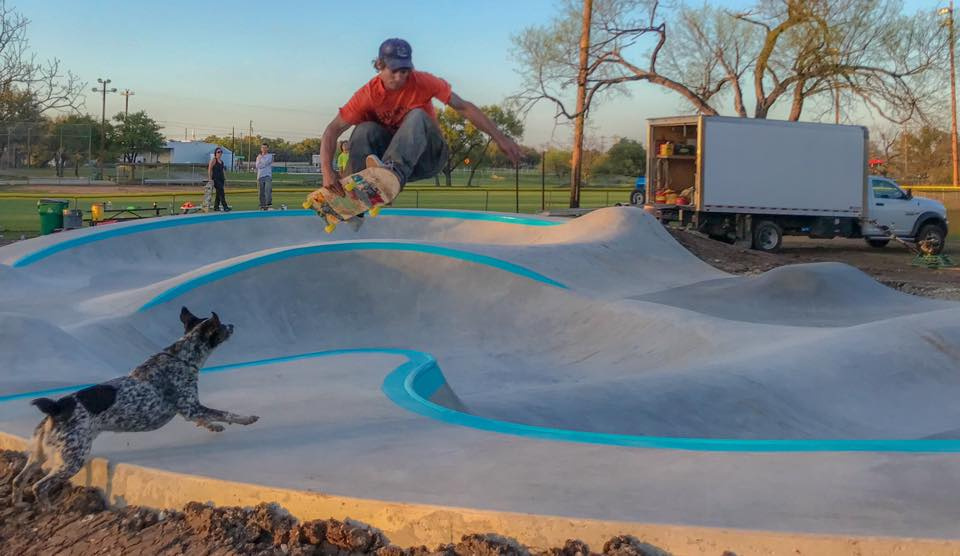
[(264, 166)]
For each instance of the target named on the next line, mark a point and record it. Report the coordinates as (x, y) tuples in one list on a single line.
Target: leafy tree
[(18, 106), (558, 162), (508, 122), (625, 158), (135, 134), (461, 136), (75, 137), (530, 157), (920, 155), (305, 149)]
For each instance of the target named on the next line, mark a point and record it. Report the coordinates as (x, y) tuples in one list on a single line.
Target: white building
[(192, 152)]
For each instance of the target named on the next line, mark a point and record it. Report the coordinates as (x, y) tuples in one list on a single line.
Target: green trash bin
[(51, 214)]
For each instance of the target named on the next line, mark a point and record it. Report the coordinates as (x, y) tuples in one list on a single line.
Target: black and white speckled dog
[(145, 400)]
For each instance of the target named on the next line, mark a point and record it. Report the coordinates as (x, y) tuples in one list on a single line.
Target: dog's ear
[(215, 319), (186, 315), (188, 319)]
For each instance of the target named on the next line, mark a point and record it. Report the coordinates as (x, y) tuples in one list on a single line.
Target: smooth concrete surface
[(642, 339)]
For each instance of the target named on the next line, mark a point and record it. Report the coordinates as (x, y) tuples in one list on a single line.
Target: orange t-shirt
[(374, 103)]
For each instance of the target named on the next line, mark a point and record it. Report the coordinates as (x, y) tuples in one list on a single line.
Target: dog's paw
[(248, 420), (212, 427)]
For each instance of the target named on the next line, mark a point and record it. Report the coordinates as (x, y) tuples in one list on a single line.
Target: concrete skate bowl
[(589, 368)]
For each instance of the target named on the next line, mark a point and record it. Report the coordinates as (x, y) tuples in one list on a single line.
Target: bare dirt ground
[(79, 524), (890, 265)]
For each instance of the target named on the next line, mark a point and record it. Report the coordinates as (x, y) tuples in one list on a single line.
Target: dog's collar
[(184, 361)]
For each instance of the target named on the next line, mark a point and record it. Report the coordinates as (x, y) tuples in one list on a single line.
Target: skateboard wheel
[(375, 211), (329, 228), (306, 204), (349, 186)]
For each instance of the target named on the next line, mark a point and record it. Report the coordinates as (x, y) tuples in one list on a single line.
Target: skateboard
[(366, 191), (207, 196)]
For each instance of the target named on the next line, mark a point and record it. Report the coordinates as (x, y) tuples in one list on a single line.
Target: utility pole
[(249, 139), (233, 148), (952, 37), (103, 90), (127, 93), (576, 160)]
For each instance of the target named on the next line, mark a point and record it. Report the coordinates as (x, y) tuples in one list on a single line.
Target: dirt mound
[(79, 523)]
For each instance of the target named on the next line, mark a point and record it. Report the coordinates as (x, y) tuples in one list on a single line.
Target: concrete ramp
[(589, 368)]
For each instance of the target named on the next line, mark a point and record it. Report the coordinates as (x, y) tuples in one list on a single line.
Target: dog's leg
[(73, 457), (17, 485), (35, 458), (227, 417), (207, 417), (192, 410)]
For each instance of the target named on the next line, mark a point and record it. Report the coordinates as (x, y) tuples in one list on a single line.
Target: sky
[(200, 67)]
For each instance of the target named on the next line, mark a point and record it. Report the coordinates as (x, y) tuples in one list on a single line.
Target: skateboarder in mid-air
[(396, 123)]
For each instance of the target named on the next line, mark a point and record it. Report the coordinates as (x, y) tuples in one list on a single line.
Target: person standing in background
[(343, 159), (264, 166), (216, 174)]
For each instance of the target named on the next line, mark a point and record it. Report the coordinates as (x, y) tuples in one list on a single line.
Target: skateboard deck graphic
[(366, 191)]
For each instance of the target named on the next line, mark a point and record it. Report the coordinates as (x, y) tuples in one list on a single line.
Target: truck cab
[(911, 218)]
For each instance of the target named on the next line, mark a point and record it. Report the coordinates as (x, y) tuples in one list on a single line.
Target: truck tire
[(637, 197), (767, 236), (877, 243), (932, 231)]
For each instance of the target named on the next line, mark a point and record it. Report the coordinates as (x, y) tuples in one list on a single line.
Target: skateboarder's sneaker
[(373, 161)]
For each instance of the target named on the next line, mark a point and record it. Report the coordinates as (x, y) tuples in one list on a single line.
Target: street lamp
[(948, 13), (103, 116)]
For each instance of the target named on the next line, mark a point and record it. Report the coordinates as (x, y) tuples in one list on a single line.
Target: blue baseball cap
[(397, 54)]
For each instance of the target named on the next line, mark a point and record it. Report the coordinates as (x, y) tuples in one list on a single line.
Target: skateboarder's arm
[(476, 116), (328, 146), (210, 170)]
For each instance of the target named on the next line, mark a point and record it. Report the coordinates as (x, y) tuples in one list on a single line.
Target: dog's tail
[(59, 410)]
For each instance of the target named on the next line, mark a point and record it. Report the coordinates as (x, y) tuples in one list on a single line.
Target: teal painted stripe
[(406, 388), (114, 231), (414, 381), (270, 258), (418, 357)]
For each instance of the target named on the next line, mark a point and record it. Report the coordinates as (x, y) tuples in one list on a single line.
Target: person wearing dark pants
[(396, 123), (216, 174)]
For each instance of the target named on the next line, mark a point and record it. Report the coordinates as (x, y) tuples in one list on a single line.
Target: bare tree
[(45, 83), (805, 52)]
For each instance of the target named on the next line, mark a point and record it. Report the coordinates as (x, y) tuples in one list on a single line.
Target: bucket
[(72, 219), (96, 212)]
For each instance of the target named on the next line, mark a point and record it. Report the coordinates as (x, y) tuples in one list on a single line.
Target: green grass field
[(18, 212), (18, 208)]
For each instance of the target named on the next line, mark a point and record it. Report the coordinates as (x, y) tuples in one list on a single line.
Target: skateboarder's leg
[(417, 150), (367, 138)]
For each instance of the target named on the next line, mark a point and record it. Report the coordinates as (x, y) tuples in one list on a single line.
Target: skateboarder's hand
[(331, 180), (510, 148)]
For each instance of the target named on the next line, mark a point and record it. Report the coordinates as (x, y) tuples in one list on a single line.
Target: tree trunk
[(797, 107), (473, 168), (576, 161), (448, 176)]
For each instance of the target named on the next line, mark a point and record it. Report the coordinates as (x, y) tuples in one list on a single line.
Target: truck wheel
[(767, 236), (878, 243), (932, 232), (637, 197)]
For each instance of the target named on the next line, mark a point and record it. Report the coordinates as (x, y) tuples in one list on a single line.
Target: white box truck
[(755, 180)]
